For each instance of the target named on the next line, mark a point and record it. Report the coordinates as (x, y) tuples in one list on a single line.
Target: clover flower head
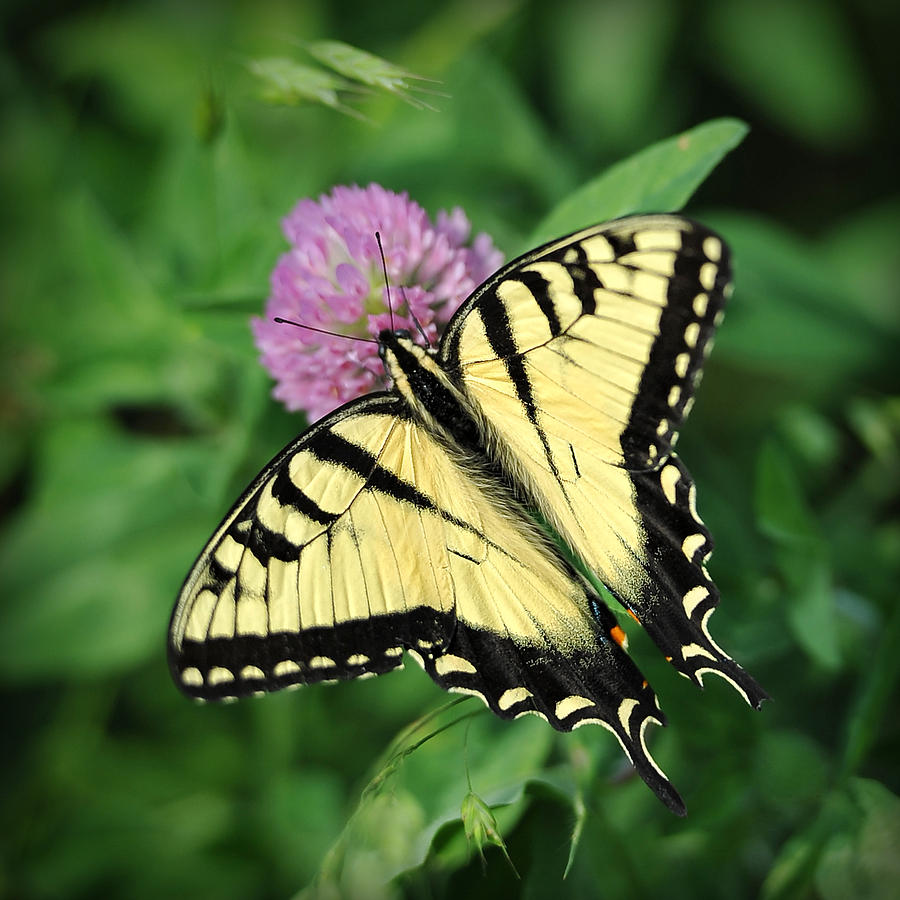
[(331, 279)]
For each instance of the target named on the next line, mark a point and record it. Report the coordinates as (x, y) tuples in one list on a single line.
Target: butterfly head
[(397, 350), (386, 335)]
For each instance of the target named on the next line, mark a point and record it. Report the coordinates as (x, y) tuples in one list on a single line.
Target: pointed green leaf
[(660, 178)]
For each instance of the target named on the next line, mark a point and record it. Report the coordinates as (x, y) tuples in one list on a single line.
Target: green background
[(144, 177)]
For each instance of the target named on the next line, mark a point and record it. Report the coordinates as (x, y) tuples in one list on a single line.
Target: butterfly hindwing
[(582, 359)]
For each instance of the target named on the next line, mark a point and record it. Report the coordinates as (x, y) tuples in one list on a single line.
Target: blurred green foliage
[(144, 175)]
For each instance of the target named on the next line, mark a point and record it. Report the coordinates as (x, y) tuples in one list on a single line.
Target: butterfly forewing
[(582, 358)]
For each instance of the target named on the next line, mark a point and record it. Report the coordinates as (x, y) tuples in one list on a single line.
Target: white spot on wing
[(689, 650), (692, 503), (219, 675), (712, 248), (192, 676), (691, 544), (512, 696), (682, 361), (448, 663), (701, 301), (252, 672), (626, 708), (572, 704), (708, 273), (693, 598), (668, 478), (285, 667), (691, 333)]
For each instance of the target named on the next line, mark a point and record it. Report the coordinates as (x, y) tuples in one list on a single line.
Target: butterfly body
[(403, 522)]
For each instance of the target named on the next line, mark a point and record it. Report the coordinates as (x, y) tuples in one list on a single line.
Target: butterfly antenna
[(350, 337), (387, 283), (412, 315)]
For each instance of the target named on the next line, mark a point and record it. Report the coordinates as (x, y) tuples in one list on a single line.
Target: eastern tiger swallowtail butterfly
[(403, 521)]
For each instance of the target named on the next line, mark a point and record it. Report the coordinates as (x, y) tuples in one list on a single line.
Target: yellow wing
[(366, 538), (582, 359)]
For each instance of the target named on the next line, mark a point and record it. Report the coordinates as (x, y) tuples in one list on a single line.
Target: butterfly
[(467, 516)]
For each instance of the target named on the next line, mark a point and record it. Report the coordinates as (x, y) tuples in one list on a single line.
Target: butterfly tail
[(595, 684)]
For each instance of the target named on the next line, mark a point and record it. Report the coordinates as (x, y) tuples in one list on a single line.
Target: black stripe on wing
[(497, 327), (694, 304)]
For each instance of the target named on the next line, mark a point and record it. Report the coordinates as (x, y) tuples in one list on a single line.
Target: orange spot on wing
[(668, 659), (618, 635), (633, 616)]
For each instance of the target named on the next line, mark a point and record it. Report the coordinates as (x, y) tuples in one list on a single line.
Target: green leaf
[(862, 251), (411, 808), (592, 46), (873, 703), (785, 287), (366, 68), (92, 564), (660, 178), (480, 826), (812, 612), (861, 859), (149, 67), (792, 772), (802, 556), (797, 61), (284, 82), (581, 815), (781, 508)]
